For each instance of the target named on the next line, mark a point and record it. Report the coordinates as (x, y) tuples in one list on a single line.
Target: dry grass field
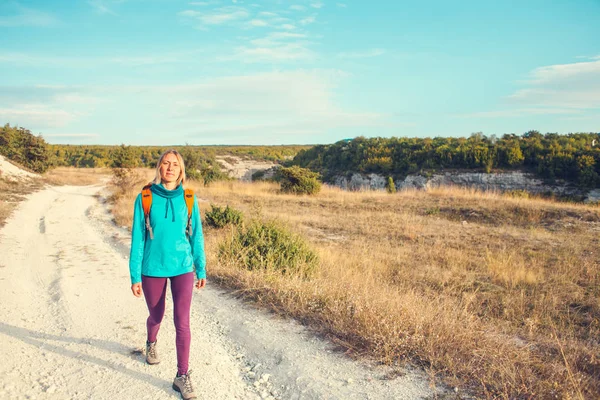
[(77, 176), (493, 295)]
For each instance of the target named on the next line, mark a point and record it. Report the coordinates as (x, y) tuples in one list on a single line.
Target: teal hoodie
[(171, 252)]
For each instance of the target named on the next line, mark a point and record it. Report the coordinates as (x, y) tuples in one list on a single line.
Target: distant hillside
[(574, 157), (147, 156)]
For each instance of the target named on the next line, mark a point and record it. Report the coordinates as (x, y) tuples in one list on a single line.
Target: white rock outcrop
[(504, 181), (243, 169)]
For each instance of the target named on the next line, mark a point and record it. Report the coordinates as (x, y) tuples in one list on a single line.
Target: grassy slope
[(494, 294)]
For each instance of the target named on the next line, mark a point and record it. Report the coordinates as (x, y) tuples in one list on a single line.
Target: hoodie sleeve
[(138, 237), (197, 242)]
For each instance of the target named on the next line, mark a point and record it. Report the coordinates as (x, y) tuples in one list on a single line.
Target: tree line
[(86, 156), (574, 157), (31, 151)]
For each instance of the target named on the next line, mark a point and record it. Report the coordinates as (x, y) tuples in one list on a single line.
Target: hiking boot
[(151, 355), (183, 384)]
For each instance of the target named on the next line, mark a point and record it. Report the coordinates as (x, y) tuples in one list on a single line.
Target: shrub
[(518, 194), (124, 179), (258, 175), (219, 217), (433, 210), (390, 187), (212, 173), (269, 246), (299, 180)]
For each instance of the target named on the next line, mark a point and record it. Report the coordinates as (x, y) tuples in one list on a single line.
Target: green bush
[(518, 194), (391, 186), (435, 210), (268, 246), (218, 217), (212, 173), (299, 180), (21, 146), (258, 175)]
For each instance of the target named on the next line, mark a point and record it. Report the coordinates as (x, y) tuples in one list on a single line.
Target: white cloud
[(565, 74), (36, 115), (286, 103), (362, 54), (281, 53), (275, 39), (268, 14), (219, 16), (191, 13), (100, 7), (40, 60), (287, 35), (43, 107), (288, 26), (275, 107), (71, 135), (297, 7), (276, 47), (258, 23), (317, 5), (308, 20), (522, 112), (27, 17), (575, 85), (341, 5)]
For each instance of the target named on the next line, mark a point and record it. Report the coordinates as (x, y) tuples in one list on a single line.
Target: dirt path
[(70, 328)]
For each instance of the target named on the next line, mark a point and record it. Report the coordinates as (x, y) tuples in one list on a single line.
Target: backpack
[(188, 195)]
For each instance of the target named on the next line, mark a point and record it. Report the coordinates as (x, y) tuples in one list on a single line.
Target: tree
[(587, 175), (124, 157), (514, 155), (36, 153), (124, 162), (299, 180), (19, 145), (193, 161), (390, 186)]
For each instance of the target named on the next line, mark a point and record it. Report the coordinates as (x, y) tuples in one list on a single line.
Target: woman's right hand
[(136, 288)]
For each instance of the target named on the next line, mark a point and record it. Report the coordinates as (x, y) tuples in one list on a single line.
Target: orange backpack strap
[(188, 194), (146, 204)]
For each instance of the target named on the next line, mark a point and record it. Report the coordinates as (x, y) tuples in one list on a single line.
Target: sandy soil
[(12, 172), (71, 329)]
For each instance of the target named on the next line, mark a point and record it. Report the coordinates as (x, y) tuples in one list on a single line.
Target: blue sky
[(162, 72)]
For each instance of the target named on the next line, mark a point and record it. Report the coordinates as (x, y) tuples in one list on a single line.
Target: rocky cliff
[(505, 181)]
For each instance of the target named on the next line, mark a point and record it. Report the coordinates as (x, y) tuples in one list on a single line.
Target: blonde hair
[(181, 177)]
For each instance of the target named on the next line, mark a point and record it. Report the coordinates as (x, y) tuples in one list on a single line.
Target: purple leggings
[(155, 290)]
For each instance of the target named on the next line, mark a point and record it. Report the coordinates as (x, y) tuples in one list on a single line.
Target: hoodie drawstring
[(170, 201)]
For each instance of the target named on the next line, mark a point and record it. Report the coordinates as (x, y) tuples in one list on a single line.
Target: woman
[(168, 249)]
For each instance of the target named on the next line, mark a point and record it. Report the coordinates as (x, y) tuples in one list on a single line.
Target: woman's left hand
[(200, 283)]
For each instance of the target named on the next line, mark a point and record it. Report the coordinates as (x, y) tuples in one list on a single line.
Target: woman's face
[(170, 169)]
